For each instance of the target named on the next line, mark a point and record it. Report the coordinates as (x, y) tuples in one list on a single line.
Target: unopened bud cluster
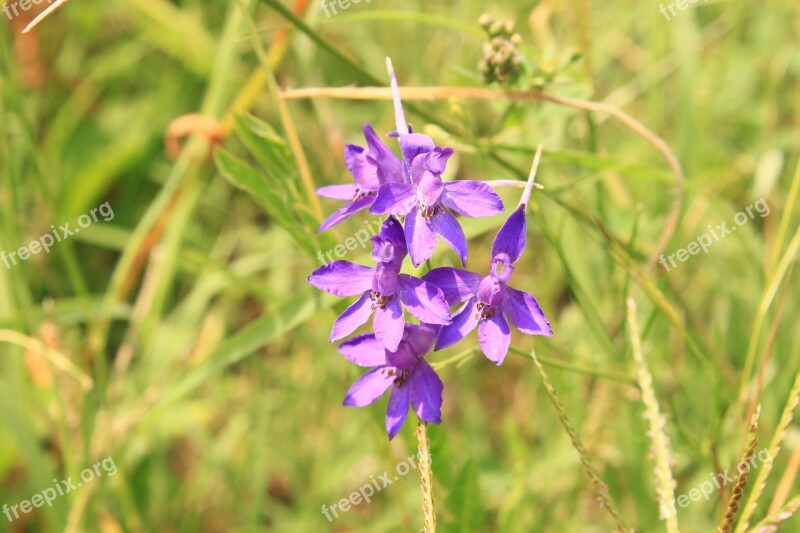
[(501, 61)]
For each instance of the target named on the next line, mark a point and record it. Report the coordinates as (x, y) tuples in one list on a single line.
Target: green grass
[(213, 386)]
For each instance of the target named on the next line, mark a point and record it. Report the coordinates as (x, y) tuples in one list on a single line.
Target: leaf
[(268, 149), (244, 177)]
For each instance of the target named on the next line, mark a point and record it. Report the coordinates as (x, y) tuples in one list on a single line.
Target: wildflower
[(489, 299), (371, 167), (383, 288), (404, 370), (427, 201)]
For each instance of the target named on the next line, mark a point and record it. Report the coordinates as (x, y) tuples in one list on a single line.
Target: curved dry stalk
[(432, 93)]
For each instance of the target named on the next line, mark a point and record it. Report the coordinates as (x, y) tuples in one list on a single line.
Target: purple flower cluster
[(412, 187)]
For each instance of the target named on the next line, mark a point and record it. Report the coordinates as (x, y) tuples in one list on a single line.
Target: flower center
[(400, 375), (430, 211), (378, 300), (483, 311), (361, 193)]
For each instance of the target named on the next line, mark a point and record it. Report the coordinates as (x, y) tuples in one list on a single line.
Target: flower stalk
[(426, 477)]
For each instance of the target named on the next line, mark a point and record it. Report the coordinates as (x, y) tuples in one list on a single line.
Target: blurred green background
[(181, 339)]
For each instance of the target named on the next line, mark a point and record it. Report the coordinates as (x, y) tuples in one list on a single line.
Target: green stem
[(591, 471), (594, 372)]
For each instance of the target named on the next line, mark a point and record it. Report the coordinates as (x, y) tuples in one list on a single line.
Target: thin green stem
[(588, 466), (594, 372)]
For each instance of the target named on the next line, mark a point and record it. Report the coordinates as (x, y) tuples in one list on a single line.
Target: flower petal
[(421, 338), (404, 358), (385, 279), (463, 322), (397, 410), (494, 337), (338, 192), (364, 350), (353, 317), (368, 387), (395, 199), (510, 239), (351, 151), (400, 119), (429, 188), (420, 238), (393, 230), (525, 313), (434, 161), (457, 285), (345, 212), (342, 278), (446, 225), (423, 300), (388, 324), (389, 166), (413, 144), (365, 171), (426, 392), (471, 198)]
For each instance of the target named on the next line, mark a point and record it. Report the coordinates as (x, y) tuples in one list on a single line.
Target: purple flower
[(371, 167), (489, 299), (427, 201), (382, 290), (405, 370)]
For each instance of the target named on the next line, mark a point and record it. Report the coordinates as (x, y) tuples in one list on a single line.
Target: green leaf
[(244, 177), (268, 149)]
